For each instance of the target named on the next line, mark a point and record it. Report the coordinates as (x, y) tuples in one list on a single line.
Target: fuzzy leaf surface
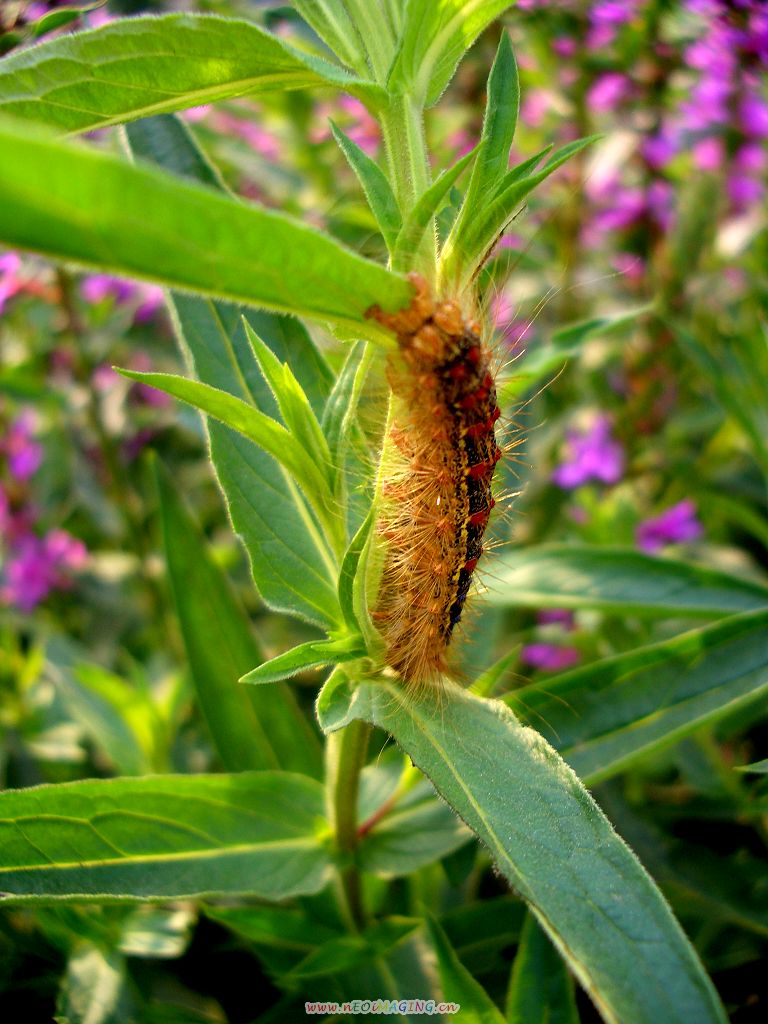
[(70, 202), (435, 36), (163, 837), (552, 843), (617, 580), (137, 67)]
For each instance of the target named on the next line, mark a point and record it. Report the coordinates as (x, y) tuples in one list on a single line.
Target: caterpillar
[(441, 453)]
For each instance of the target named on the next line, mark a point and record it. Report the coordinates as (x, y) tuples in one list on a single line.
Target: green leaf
[(553, 844), (435, 36), (117, 717), (412, 232), (418, 829), (758, 767), (467, 250), (352, 952), (349, 570), (541, 990), (292, 567), (163, 837), (168, 142), (137, 67), (499, 125), (253, 424), (70, 202), (457, 983), (617, 580), (60, 17), (250, 729), (330, 19), (377, 189), (604, 716), (485, 684), (294, 406), (283, 936), (314, 654)]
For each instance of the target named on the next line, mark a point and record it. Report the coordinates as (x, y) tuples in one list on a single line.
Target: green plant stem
[(402, 125), (345, 757)]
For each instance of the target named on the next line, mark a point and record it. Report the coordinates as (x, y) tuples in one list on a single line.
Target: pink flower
[(608, 91), (10, 282), (364, 129), (677, 525), (709, 153), (590, 454), (550, 657)]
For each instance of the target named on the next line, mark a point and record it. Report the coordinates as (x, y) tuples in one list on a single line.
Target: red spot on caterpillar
[(436, 496)]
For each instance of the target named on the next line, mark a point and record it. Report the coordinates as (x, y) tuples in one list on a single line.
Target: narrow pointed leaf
[(148, 224), (412, 232), (294, 406), (605, 716), (552, 843), (251, 729), (251, 423), (330, 19), (314, 654), (435, 36), (377, 189), (349, 570), (134, 68), (617, 580), (499, 125), (163, 837), (486, 228)]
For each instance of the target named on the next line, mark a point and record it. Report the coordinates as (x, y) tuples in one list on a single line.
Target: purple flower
[(591, 454), (24, 455), (556, 616), (151, 299), (753, 113), (95, 288), (38, 565), (744, 190), (677, 525), (550, 657)]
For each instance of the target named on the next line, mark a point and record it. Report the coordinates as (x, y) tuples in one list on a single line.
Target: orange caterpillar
[(437, 495)]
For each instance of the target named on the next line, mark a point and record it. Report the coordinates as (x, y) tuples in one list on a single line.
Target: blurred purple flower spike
[(39, 565), (677, 525), (23, 454), (591, 454)]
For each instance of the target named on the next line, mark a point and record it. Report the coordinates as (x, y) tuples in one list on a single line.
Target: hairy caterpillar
[(437, 498)]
